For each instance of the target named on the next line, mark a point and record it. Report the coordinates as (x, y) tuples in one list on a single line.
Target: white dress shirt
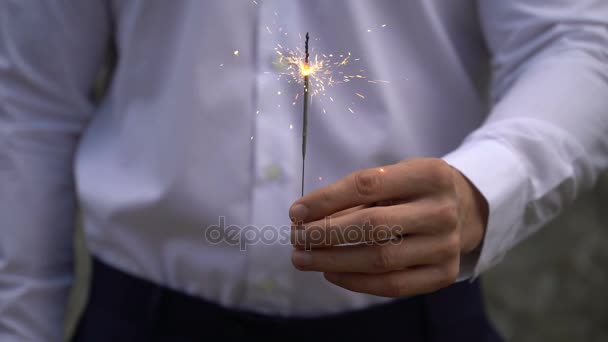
[(192, 134)]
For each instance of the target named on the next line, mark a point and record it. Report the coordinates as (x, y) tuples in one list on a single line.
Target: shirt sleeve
[(546, 137), (50, 52)]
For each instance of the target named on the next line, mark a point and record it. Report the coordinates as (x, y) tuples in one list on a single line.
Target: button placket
[(274, 152)]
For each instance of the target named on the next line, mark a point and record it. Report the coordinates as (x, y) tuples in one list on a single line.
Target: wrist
[(474, 213)]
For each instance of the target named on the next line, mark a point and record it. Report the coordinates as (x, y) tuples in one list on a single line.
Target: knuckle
[(447, 214), (367, 183), (383, 259), (377, 218), (441, 173), (450, 248), (453, 244), (437, 166), (325, 197), (437, 163)]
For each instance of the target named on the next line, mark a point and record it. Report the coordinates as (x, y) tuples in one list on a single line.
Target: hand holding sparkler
[(412, 222)]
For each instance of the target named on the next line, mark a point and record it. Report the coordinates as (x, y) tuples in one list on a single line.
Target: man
[(193, 139)]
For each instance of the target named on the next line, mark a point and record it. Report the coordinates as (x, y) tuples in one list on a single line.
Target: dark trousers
[(125, 308)]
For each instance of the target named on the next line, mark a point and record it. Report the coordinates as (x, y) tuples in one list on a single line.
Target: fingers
[(372, 224), (349, 210), (408, 282), (393, 255), (338, 214), (397, 181), (365, 225), (412, 206)]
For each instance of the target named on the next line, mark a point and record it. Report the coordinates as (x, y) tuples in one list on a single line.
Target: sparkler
[(306, 73), (317, 72)]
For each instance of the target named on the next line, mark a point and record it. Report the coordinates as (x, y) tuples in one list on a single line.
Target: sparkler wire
[(305, 113)]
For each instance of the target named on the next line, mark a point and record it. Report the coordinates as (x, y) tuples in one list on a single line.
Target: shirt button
[(267, 286), (272, 172)]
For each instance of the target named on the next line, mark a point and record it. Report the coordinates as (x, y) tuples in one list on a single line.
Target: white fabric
[(190, 132)]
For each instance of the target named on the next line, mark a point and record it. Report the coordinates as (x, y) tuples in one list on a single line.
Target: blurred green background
[(552, 287), (549, 288)]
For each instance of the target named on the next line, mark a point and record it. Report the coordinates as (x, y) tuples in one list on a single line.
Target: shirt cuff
[(499, 175)]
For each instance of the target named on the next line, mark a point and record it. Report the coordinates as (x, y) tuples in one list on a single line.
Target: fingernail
[(302, 258), (333, 277), (298, 212)]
